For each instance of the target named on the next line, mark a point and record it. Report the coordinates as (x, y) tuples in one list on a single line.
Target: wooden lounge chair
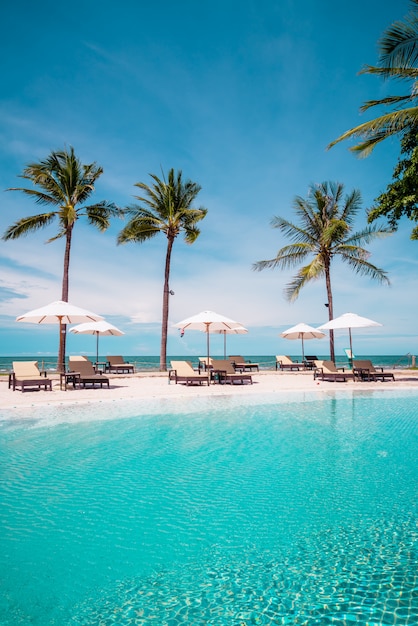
[(326, 370), (85, 368), (224, 372), (117, 365), (183, 372), (203, 363), (285, 363), (241, 364), (26, 375), (365, 370), (309, 361)]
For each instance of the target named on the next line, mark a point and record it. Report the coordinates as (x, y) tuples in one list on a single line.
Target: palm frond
[(191, 234), (379, 129), (307, 213), (351, 207), (400, 73), (137, 211), (43, 178), (198, 214), (398, 59), (334, 231), (364, 268), (292, 231), (306, 274), (27, 225), (138, 232), (388, 101), (353, 252), (98, 219), (99, 214), (113, 209), (398, 45), (39, 196), (368, 234), (62, 233), (286, 257), (190, 217), (155, 200)]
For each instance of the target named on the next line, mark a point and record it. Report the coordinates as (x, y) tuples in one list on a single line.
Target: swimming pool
[(218, 511)]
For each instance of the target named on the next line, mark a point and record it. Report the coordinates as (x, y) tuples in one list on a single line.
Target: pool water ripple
[(319, 583), (282, 513)]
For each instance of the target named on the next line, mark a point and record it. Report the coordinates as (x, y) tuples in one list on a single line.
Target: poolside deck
[(156, 385)]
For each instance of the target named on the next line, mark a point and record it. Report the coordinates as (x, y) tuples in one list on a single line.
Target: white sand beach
[(156, 385)]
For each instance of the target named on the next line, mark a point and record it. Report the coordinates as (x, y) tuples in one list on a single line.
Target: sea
[(142, 363)]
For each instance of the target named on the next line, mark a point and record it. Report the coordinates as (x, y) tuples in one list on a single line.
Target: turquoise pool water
[(219, 511)]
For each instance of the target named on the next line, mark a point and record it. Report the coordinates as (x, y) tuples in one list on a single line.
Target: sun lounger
[(224, 372), (326, 370), (85, 368), (285, 363), (26, 375), (365, 370), (241, 364), (309, 361), (203, 363), (118, 365), (183, 372)]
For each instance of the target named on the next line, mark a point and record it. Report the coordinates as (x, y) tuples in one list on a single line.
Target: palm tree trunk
[(166, 297), (330, 311), (64, 298)]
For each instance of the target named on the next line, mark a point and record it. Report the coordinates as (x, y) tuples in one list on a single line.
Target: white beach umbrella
[(349, 320), (302, 331), (239, 330), (96, 328), (208, 322), (61, 313)]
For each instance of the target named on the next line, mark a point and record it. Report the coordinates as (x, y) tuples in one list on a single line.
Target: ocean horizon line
[(152, 362)]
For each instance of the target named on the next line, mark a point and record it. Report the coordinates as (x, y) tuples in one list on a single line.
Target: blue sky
[(243, 97)]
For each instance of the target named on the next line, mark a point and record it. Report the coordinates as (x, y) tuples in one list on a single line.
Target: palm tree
[(325, 231), (63, 183), (166, 208), (398, 57)]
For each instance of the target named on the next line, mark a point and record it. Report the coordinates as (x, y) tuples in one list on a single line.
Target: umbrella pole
[(303, 350), (225, 344), (97, 348), (61, 366), (208, 351)]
